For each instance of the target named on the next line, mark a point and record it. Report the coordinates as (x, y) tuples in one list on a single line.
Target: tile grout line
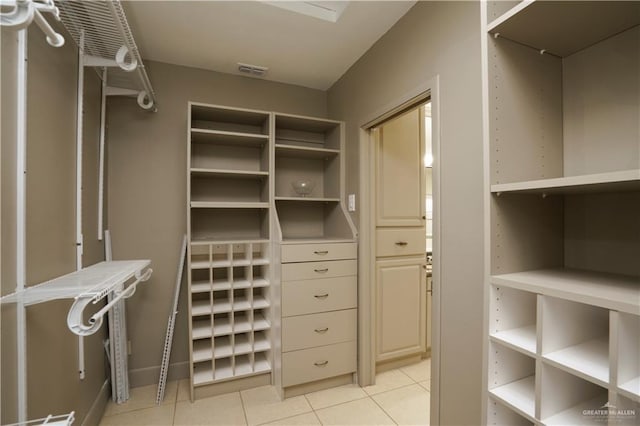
[(244, 410), (385, 411)]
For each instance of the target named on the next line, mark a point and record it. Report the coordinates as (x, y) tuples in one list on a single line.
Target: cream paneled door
[(400, 171), (401, 299)]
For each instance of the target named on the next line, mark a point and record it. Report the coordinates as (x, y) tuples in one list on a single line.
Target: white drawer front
[(318, 252), (400, 241), (315, 270), (309, 331), (319, 363), (311, 296)]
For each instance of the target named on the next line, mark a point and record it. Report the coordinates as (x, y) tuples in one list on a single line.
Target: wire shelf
[(100, 29)]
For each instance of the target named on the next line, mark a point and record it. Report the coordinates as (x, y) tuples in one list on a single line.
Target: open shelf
[(308, 199), (233, 223), (543, 24), (298, 131), (521, 339), (519, 396), (564, 397), (225, 119), (283, 150), (206, 136), (499, 414), (239, 174), (311, 220), (575, 338), (512, 380), (627, 180), (611, 291), (512, 319), (588, 360), (229, 205), (324, 173)]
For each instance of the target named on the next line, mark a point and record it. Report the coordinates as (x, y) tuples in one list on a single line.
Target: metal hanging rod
[(101, 31), (19, 14)]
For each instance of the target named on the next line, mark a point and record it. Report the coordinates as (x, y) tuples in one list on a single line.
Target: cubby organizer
[(564, 200), (229, 305), (229, 214)]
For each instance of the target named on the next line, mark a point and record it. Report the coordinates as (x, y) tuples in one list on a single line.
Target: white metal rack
[(60, 420), (101, 30), (89, 285)]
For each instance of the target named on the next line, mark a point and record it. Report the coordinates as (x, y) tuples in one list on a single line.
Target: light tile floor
[(399, 397)]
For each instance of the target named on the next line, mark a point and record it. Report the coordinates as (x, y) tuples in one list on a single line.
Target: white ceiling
[(297, 49)]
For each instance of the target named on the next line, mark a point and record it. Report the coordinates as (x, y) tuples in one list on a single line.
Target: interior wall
[(437, 38), (53, 383), (147, 192)]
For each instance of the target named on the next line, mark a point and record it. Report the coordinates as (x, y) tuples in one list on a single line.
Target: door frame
[(428, 90)]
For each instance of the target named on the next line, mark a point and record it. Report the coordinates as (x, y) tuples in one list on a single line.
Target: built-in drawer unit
[(318, 252), (400, 241), (315, 270), (312, 296), (308, 331), (318, 363)]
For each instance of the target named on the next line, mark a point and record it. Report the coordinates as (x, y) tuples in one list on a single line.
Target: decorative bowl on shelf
[(303, 187)]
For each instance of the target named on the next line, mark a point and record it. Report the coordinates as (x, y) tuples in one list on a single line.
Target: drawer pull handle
[(322, 271), (321, 296), (321, 252), (401, 243), (321, 363), (321, 330)]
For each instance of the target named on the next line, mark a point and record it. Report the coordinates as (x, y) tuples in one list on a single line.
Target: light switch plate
[(351, 204)]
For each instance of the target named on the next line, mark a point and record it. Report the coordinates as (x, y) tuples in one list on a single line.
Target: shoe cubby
[(575, 338), (568, 400), (500, 415), (629, 356), (625, 411), (512, 319), (512, 379)]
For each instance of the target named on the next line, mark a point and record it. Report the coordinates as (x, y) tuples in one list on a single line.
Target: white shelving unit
[(229, 250), (564, 201)]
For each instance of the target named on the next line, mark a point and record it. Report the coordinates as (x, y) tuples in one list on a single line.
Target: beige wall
[(8, 378), (147, 192), (53, 383), (437, 38)]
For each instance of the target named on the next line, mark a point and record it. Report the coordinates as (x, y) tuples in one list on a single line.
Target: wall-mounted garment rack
[(101, 31), (88, 285)]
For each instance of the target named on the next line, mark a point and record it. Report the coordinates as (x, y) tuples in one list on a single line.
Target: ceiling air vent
[(254, 70)]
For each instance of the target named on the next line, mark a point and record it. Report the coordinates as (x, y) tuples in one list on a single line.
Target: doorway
[(424, 97)]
